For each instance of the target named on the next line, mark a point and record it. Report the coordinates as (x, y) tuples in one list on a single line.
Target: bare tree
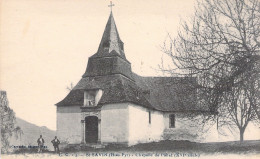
[(237, 111), (69, 88), (7, 122), (220, 46)]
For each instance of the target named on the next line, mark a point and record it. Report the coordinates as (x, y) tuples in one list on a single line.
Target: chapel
[(112, 104)]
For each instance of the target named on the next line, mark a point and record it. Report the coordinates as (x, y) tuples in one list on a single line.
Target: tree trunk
[(241, 134)]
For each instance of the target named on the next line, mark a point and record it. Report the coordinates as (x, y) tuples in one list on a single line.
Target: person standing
[(40, 142), (56, 143)]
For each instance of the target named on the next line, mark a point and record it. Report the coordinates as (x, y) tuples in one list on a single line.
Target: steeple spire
[(110, 58), (111, 42)]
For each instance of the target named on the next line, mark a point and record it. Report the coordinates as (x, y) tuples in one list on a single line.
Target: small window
[(138, 95), (122, 46), (172, 120), (89, 98), (149, 117), (106, 44)]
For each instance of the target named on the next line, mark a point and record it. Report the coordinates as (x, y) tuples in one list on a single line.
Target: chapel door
[(91, 129)]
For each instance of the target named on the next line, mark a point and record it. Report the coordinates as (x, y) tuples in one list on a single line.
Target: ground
[(181, 146), (168, 149)]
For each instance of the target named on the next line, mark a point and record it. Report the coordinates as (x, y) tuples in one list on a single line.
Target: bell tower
[(110, 58)]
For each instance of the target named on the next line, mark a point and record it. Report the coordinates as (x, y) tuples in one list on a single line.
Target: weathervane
[(111, 5)]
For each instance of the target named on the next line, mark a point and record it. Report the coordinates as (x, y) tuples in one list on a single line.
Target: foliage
[(7, 123)]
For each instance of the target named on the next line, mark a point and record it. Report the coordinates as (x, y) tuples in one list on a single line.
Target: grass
[(30, 151), (235, 147), (178, 146), (187, 146)]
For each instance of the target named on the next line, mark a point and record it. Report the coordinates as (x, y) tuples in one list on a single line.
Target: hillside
[(31, 133)]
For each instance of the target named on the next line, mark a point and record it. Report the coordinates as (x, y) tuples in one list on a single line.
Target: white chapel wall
[(69, 124), (189, 129), (114, 123), (140, 131)]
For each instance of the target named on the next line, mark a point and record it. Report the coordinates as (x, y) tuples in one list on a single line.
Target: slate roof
[(160, 93), (107, 65), (170, 93), (110, 57), (116, 89), (109, 70), (110, 40)]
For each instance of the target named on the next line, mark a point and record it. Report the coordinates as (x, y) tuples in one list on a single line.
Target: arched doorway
[(91, 129)]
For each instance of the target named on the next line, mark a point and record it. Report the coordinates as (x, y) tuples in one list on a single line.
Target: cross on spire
[(111, 5)]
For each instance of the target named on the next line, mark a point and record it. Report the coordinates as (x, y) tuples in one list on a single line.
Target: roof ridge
[(159, 76)]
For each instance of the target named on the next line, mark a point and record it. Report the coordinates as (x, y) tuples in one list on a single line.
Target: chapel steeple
[(110, 58), (110, 40)]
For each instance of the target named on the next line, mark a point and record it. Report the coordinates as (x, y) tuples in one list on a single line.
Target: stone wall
[(140, 130), (114, 123), (69, 124), (129, 124), (191, 129)]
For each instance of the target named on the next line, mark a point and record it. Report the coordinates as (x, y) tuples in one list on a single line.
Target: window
[(122, 46), (92, 97), (138, 95), (106, 45), (172, 120), (149, 117), (89, 98)]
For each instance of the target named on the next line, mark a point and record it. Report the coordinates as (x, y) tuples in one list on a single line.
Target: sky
[(45, 45)]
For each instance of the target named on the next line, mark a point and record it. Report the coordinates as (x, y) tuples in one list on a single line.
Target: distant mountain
[(31, 133)]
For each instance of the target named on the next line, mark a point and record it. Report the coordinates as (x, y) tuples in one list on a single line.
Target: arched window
[(172, 120)]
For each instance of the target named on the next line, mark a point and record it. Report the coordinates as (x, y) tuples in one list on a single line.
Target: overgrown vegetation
[(7, 123)]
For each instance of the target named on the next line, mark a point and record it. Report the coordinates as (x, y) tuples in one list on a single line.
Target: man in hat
[(40, 142), (56, 143)]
